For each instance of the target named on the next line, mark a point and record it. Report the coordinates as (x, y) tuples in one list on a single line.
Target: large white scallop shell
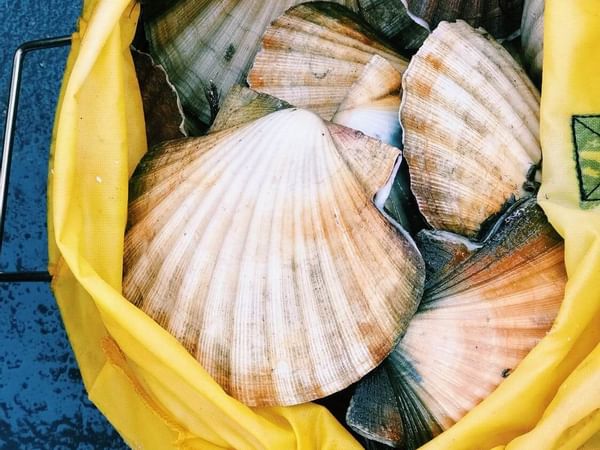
[(478, 319), (208, 46), (313, 54), (470, 119), (259, 247)]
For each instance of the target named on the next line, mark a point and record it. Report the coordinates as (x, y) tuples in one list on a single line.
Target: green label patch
[(586, 135)]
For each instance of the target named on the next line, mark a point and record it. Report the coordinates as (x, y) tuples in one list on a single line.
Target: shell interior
[(259, 247), (478, 319), (372, 103), (162, 110)]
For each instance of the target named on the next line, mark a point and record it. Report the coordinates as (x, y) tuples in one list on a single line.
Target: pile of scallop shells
[(343, 195)]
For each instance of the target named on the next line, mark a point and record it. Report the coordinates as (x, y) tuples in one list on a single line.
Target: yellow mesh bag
[(157, 395)]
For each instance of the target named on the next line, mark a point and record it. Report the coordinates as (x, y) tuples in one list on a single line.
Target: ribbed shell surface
[(313, 54), (259, 248), (372, 103), (532, 37), (470, 120), (207, 46), (501, 18), (391, 19), (488, 313), (476, 323)]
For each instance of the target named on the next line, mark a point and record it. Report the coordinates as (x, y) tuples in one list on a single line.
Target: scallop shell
[(478, 319), (162, 112), (313, 54), (207, 47), (391, 19), (470, 119), (259, 247), (532, 37), (501, 18)]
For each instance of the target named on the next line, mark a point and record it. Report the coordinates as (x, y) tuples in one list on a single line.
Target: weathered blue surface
[(42, 401)]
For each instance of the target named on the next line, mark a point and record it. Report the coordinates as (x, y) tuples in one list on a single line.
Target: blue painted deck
[(42, 401)]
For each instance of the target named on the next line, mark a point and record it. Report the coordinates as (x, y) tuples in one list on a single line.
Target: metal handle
[(13, 102)]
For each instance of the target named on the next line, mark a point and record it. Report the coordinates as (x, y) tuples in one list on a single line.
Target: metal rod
[(20, 277), (9, 129)]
